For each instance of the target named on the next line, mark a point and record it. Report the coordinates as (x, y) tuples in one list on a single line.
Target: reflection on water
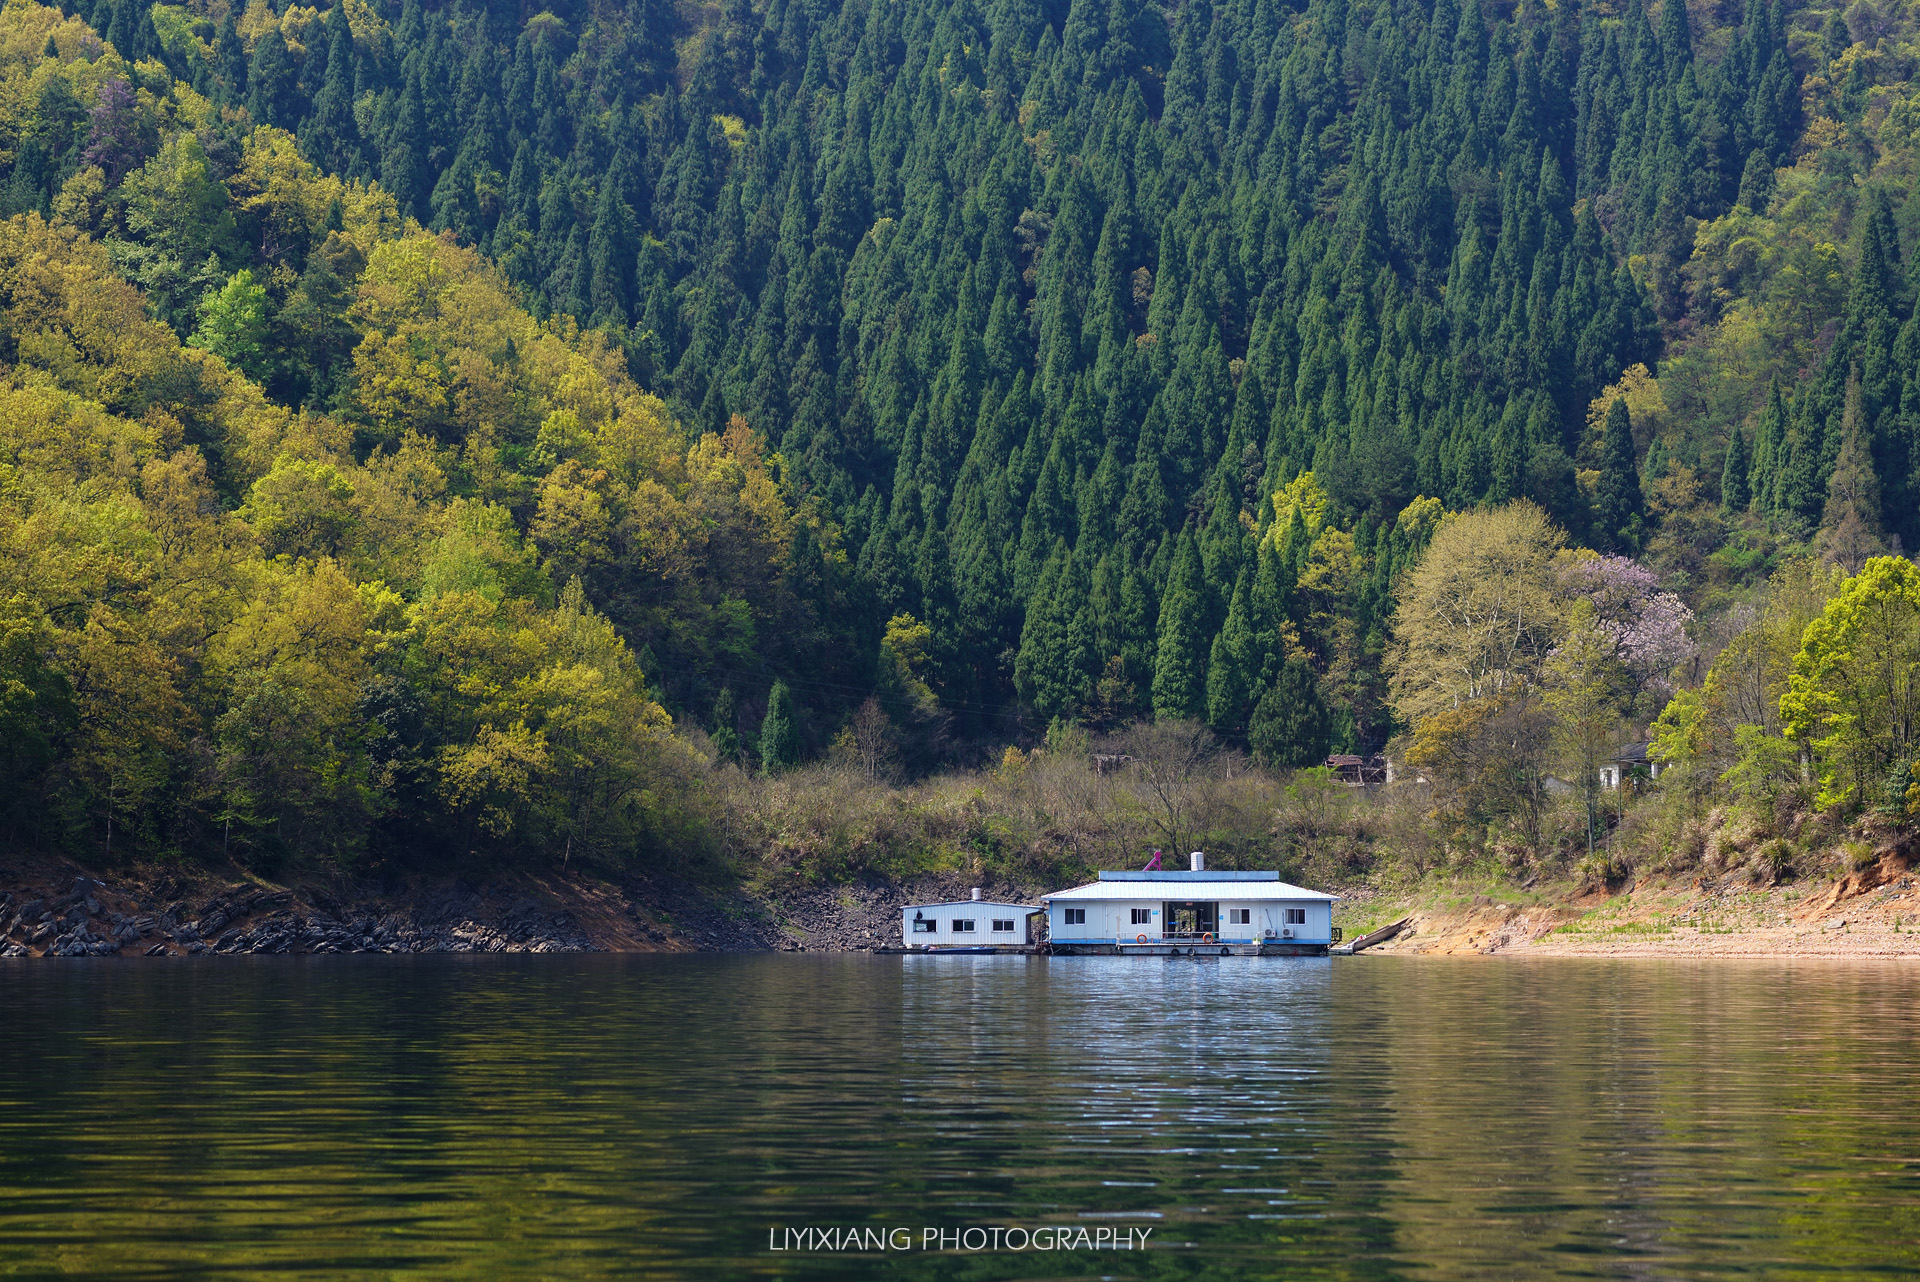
[(655, 1117)]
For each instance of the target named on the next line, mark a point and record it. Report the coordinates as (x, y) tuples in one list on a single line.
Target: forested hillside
[(906, 377)]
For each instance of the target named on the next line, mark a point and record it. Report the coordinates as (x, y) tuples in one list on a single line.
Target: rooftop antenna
[(1153, 864)]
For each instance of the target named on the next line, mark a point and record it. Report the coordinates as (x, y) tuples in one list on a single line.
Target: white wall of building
[(1111, 920), (982, 914), (1308, 919)]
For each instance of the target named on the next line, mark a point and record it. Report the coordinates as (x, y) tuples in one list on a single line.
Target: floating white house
[(975, 924), (1193, 912)]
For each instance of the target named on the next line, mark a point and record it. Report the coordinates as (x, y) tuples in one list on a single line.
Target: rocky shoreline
[(53, 909), (92, 920), (56, 910)]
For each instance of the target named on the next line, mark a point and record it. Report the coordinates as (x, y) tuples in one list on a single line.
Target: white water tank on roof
[(1198, 861)]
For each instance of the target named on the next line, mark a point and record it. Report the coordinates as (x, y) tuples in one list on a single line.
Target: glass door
[(1189, 920)]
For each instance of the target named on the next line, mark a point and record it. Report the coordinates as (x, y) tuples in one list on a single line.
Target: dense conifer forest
[(470, 426)]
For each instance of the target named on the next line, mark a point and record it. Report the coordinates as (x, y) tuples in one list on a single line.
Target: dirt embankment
[(55, 908), (1873, 911)]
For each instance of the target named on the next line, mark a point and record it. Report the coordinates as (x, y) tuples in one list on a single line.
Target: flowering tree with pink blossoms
[(1625, 637), (1644, 627), (113, 142)]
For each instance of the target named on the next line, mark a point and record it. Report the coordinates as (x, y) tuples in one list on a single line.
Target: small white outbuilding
[(967, 923)]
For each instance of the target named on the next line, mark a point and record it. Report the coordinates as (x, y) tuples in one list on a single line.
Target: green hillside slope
[(979, 366)]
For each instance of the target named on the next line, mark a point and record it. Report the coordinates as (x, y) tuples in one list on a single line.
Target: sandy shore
[(1874, 912)]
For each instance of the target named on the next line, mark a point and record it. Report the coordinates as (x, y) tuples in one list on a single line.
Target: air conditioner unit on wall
[(1286, 934), (1268, 934)]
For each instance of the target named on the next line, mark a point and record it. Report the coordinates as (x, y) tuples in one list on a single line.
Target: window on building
[(1296, 916), (963, 925), (925, 926), (1003, 925), (1076, 917), (1239, 916), (1141, 916)]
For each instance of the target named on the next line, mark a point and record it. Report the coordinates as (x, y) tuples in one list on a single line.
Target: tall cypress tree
[(230, 60), (1756, 182), (726, 735), (1735, 494), (1619, 508), (403, 162), (779, 735), (1270, 600), (1291, 726), (1769, 452), (1232, 664), (612, 248), (1179, 669), (1057, 661), (1850, 529), (330, 137), (270, 82)]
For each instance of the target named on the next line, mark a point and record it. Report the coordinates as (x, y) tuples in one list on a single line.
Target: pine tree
[(1619, 509), (230, 58), (1769, 452), (726, 736), (330, 136), (1850, 529), (1834, 36), (1273, 584), (1179, 669), (1734, 492), (779, 736), (270, 81), (1290, 725), (1232, 664), (1797, 490), (612, 248), (1057, 662), (403, 162), (1756, 182)]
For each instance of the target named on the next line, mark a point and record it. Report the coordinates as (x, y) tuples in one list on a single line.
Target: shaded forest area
[(471, 429)]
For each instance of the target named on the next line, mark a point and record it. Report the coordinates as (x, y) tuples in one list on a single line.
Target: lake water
[(661, 1117)]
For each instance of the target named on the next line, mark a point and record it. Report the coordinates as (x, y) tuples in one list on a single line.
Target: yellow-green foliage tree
[(350, 649), (1478, 618), (1728, 733), (1855, 689), (375, 557)]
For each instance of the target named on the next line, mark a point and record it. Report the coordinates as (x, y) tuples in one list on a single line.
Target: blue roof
[(1180, 875)]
